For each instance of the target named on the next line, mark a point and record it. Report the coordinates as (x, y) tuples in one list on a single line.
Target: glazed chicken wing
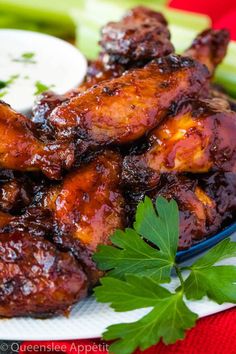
[(36, 279), (87, 207), (21, 150), (209, 48), (140, 36), (198, 215), (198, 139), (122, 110)]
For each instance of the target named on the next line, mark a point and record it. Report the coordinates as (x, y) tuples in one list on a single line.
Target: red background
[(222, 13), (213, 334)]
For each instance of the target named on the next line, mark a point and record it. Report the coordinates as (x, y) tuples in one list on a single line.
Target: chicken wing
[(196, 140), (209, 48), (198, 215), (87, 208), (140, 36), (132, 42), (21, 150), (122, 110), (36, 279)]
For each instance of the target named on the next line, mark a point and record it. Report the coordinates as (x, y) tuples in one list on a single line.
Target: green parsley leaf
[(224, 249), (3, 93), (130, 294), (28, 55), (168, 320), (40, 88), (161, 229), (217, 282), (6, 84), (12, 79), (3, 84), (26, 58), (133, 256)]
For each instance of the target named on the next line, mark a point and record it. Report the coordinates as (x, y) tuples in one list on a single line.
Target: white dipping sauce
[(28, 58)]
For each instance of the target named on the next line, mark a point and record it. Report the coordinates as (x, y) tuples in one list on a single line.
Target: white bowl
[(30, 59)]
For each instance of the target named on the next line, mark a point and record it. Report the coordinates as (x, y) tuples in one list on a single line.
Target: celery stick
[(182, 37), (52, 11), (48, 16), (15, 22), (226, 73), (87, 37), (104, 10)]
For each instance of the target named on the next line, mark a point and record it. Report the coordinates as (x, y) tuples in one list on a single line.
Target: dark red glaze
[(124, 109), (87, 208), (21, 150), (210, 48), (198, 139), (140, 36), (35, 278), (199, 217)]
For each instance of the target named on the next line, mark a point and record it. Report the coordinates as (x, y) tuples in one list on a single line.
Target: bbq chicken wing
[(209, 48), (140, 36), (21, 150), (198, 215), (122, 110), (36, 279), (87, 208), (198, 139)]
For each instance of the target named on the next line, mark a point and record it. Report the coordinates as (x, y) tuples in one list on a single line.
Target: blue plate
[(206, 244)]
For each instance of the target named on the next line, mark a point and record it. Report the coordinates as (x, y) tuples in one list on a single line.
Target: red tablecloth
[(213, 334)]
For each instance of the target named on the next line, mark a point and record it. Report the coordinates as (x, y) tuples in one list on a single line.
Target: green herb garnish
[(3, 84), (6, 84), (26, 58), (136, 271), (3, 93), (40, 88)]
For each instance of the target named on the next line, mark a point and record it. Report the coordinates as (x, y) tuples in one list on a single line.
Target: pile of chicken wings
[(146, 121)]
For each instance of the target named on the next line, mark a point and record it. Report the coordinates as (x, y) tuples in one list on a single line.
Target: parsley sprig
[(26, 58), (140, 261), (41, 87), (4, 85)]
